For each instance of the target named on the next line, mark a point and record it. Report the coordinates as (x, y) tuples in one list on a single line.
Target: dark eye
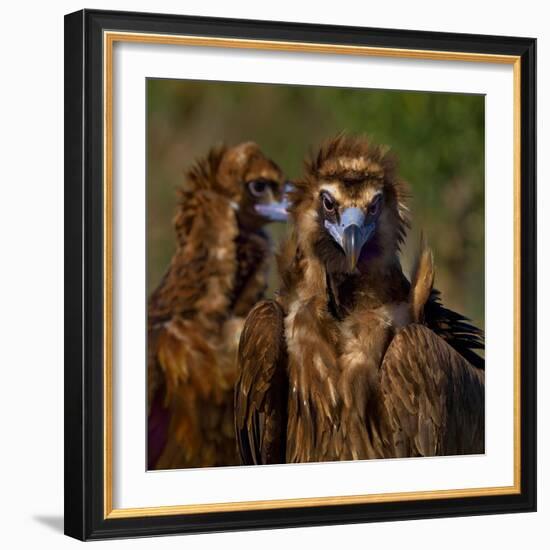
[(328, 203), (257, 187), (374, 206)]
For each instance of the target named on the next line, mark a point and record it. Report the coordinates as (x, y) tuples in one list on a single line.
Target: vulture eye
[(257, 187), (328, 203), (374, 206)]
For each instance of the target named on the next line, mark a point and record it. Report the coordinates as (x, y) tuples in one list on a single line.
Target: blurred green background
[(438, 137)]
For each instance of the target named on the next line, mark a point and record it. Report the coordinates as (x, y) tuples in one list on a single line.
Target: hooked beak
[(276, 211), (351, 233)]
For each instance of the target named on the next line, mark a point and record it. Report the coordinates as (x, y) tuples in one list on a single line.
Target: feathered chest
[(333, 367)]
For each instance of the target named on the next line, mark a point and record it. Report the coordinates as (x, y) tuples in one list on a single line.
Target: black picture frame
[(84, 283)]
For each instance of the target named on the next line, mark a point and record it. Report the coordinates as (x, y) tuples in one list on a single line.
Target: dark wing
[(455, 329), (261, 392), (434, 398)]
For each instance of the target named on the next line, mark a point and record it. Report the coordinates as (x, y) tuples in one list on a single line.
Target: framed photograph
[(300, 283)]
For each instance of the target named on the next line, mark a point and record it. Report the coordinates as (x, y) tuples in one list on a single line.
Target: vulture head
[(244, 175), (349, 209)]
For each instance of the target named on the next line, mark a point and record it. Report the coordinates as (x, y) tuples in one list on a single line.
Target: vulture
[(352, 360), (216, 275)]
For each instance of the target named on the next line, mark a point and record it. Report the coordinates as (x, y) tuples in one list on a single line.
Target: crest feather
[(352, 160), (204, 172)]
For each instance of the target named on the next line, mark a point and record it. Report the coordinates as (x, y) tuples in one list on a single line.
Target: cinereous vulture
[(217, 274), (352, 360)]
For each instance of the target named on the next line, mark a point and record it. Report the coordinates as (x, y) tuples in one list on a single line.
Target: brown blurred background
[(439, 139)]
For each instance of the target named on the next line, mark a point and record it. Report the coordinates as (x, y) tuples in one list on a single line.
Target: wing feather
[(456, 330), (434, 398), (261, 392)]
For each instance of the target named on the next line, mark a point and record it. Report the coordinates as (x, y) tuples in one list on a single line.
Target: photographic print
[(295, 256), (315, 274)]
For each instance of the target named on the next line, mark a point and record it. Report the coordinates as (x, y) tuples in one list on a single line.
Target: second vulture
[(195, 315), (352, 360)]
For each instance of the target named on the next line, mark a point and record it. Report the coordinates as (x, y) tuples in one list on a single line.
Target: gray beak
[(351, 233), (276, 211)]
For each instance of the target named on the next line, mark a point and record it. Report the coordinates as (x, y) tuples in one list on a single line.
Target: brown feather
[(261, 391), (422, 282), (433, 397)]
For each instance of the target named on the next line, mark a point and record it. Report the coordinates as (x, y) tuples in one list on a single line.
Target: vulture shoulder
[(200, 277), (261, 392), (434, 398)]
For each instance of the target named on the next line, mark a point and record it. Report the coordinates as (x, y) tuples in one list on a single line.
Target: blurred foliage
[(438, 138)]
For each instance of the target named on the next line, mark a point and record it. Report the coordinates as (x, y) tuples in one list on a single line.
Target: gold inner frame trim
[(109, 39)]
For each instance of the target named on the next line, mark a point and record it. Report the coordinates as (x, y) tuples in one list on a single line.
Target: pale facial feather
[(337, 193), (333, 189)]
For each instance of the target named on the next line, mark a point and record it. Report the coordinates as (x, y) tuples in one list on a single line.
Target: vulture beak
[(351, 233), (276, 211)]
